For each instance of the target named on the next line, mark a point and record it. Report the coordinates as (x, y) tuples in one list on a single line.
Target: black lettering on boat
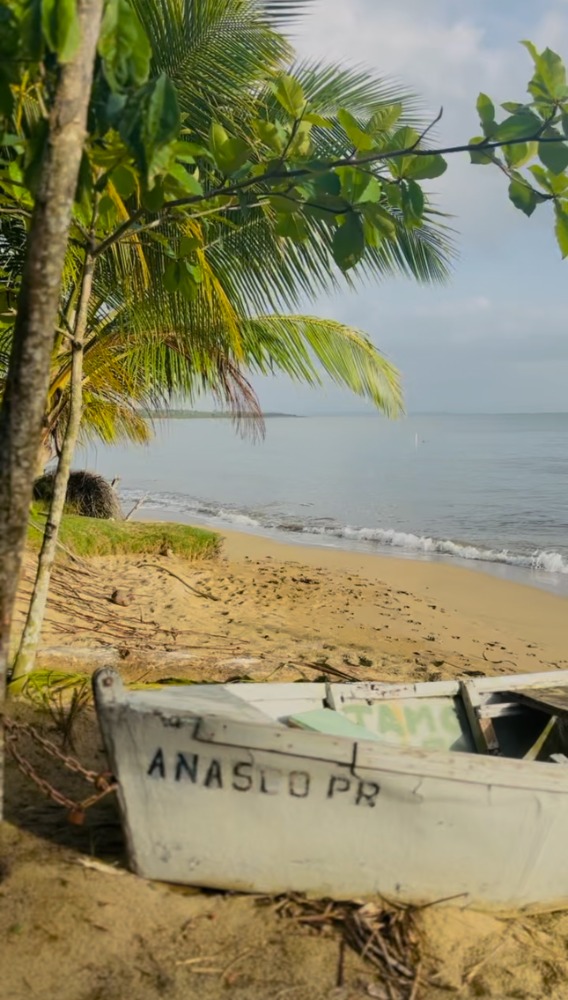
[(157, 764), (186, 766), (265, 783), (367, 792), (299, 784), (242, 779), (337, 784), (213, 778)]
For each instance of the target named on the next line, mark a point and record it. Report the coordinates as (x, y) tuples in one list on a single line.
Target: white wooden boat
[(417, 792)]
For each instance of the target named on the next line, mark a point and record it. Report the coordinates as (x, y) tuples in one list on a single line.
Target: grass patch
[(90, 536)]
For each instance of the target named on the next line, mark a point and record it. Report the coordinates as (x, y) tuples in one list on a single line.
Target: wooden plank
[(539, 744), (516, 682), (370, 691), (499, 709), (482, 730), (552, 700)]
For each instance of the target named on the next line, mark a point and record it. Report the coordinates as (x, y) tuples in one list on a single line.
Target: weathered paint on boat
[(216, 791)]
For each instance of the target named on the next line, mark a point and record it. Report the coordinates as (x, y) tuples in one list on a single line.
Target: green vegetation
[(89, 536)]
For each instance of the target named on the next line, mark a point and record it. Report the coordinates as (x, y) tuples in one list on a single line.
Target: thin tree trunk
[(23, 404), (36, 612)]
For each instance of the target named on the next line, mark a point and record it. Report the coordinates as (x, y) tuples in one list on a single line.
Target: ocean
[(489, 492)]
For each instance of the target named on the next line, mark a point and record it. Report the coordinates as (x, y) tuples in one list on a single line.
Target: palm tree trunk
[(23, 404), (36, 612)]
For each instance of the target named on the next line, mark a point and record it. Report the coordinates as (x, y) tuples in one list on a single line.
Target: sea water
[(487, 491)]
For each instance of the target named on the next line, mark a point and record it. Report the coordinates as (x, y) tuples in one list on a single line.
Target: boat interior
[(519, 717), (525, 722)]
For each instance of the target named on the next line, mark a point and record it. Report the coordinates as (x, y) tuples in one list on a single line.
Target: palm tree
[(143, 343)]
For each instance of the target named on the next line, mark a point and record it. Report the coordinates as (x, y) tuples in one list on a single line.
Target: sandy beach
[(282, 612), (264, 611)]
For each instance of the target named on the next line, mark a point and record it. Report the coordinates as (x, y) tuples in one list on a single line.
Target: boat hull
[(218, 796)]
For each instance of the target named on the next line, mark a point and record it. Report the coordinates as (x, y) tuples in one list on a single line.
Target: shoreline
[(535, 579)]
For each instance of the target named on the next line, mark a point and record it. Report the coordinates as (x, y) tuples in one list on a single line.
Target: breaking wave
[(549, 562), (373, 538)]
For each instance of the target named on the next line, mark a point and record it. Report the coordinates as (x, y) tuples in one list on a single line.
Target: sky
[(495, 337)]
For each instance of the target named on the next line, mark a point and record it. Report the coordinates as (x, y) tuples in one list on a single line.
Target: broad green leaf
[(552, 71), (480, 157), (187, 284), (561, 230), (393, 195), (182, 155), (380, 219), (187, 245), (229, 153), (332, 203), (124, 181), (328, 183), (358, 186), (218, 136), (360, 139), (422, 168), (153, 199), (272, 135), (13, 140), (292, 227), (123, 46), (234, 155), (195, 148), (373, 237), (162, 114), (558, 183), (513, 107), (413, 200), (187, 181), (541, 177), (554, 156), (319, 120), (301, 144), (106, 209), (150, 120), (196, 272), (60, 27), (284, 204), (522, 196), (523, 125), (518, 155), (403, 139), (486, 112), (531, 49), (289, 94), (172, 276), (349, 242)]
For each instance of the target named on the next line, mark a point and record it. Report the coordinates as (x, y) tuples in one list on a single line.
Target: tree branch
[(301, 172)]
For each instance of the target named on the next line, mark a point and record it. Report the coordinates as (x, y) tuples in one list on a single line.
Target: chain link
[(104, 783)]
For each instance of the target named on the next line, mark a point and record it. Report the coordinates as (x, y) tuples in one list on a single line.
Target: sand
[(272, 612)]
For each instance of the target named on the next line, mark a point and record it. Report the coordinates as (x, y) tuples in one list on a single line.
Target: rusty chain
[(104, 783)]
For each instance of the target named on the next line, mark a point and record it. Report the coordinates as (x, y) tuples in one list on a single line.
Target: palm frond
[(299, 345)]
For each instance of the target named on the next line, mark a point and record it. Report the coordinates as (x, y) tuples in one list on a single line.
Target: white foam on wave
[(549, 562), (233, 517)]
